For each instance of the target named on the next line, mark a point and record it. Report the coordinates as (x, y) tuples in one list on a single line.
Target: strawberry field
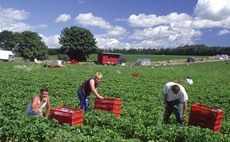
[(142, 105)]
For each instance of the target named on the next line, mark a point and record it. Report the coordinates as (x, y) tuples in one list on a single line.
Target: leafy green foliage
[(77, 42), (142, 104), (63, 57), (7, 40), (26, 44), (31, 46)]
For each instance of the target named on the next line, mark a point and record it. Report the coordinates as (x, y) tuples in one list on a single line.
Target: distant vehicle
[(6, 55), (191, 59)]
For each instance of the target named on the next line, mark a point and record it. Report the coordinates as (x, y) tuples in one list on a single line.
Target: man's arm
[(34, 103), (165, 100), (47, 109), (184, 110)]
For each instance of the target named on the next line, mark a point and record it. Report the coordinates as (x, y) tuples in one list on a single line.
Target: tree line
[(199, 50), (76, 43)]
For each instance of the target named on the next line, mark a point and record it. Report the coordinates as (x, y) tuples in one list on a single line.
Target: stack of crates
[(65, 114), (109, 105), (206, 117)]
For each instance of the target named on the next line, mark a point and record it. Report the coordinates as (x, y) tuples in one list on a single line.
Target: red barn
[(109, 58)]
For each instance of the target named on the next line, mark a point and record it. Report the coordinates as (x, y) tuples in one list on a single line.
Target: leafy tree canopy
[(7, 40), (78, 43), (27, 44)]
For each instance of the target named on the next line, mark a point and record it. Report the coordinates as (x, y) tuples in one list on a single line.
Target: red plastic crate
[(205, 122), (109, 105), (206, 116), (202, 125), (50, 66), (107, 101), (136, 74), (205, 110), (65, 114)]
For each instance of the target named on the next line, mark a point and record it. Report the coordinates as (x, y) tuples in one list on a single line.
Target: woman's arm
[(94, 90)]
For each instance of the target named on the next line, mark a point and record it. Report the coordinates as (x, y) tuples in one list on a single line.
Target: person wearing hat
[(175, 100), (90, 85)]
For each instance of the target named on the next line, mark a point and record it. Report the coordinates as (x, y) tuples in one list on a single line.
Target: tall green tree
[(31, 46), (7, 41), (78, 43)]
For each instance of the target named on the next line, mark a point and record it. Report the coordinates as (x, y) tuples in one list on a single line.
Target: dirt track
[(183, 61)]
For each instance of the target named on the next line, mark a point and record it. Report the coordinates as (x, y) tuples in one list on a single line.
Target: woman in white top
[(38, 103)]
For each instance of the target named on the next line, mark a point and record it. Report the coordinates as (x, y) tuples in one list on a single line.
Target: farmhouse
[(109, 58), (5, 55)]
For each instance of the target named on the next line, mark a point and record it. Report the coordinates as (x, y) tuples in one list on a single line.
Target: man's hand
[(183, 118), (45, 99)]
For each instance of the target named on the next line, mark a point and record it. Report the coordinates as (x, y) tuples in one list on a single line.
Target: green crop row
[(142, 104)]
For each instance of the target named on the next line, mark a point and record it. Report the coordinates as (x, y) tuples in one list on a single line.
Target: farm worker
[(38, 103), (86, 88), (175, 99)]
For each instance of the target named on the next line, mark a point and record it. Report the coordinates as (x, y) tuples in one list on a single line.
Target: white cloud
[(51, 41), (213, 9), (165, 36), (110, 43), (116, 31), (223, 32), (63, 18), (12, 20), (143, 20), (89, 19), (11, 14)]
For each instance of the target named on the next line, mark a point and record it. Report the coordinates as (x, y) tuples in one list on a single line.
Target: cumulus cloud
[(215, 10), (88, 19), (51, 41), (63, 18), (143, 20), (11, 14), (223, 32), (110, 43), (163, 36), (12, 20)]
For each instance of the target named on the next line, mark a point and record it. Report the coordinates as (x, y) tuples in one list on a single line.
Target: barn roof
[(111, 53)]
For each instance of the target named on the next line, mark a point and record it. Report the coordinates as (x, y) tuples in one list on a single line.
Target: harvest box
[(65, 114), (109, 105), (206, 116)]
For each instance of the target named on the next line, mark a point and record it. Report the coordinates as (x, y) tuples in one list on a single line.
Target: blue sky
[(123, 23)]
